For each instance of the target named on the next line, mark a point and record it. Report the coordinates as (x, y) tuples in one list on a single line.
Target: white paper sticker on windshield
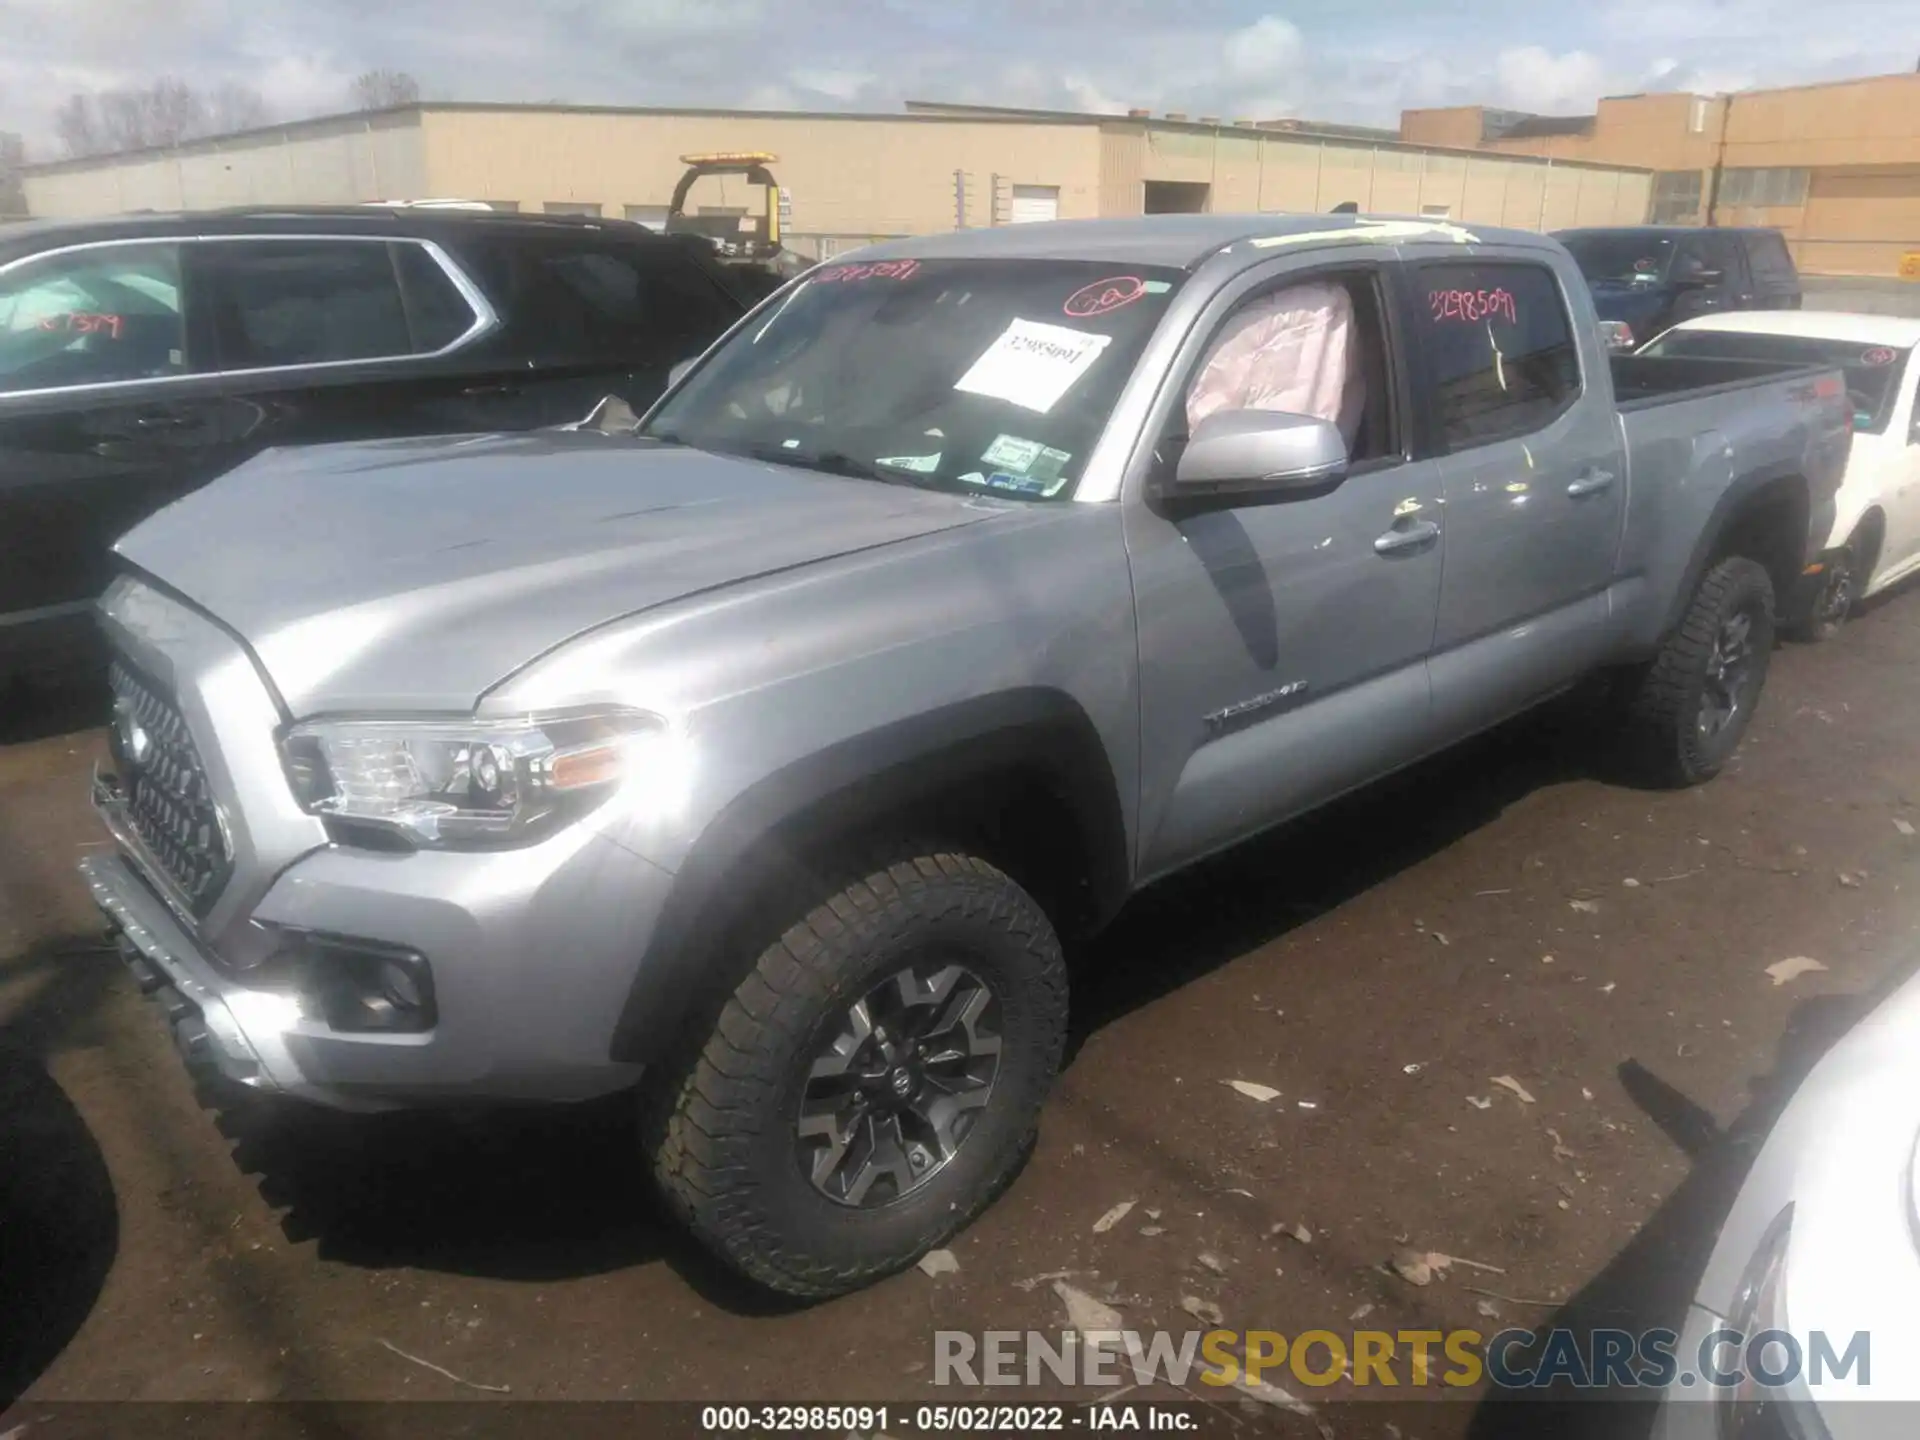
[(1032, 364)]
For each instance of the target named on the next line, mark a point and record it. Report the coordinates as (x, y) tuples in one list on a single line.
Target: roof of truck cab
[(1894, 330), (1183, 241), (28, 236), (1668, 232)]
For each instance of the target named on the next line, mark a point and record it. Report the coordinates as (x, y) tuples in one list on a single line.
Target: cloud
[(1364, 61), (1268, 49), (1531, 78), (842, 85), (1090, 97)]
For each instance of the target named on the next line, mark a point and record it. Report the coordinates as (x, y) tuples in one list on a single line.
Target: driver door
[(1283, 646)]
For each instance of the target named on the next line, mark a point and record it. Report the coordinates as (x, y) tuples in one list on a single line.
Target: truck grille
[(168, 803)]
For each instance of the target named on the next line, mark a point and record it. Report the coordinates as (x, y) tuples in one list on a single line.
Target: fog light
[(360, 986)]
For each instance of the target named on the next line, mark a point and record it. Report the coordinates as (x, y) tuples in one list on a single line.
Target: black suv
[(1651, 277), (142, 356)]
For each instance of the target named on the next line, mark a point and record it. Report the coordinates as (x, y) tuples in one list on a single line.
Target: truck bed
[(1643, 381)]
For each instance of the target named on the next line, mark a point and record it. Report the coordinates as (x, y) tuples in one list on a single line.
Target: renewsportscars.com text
[(1512, 1359)]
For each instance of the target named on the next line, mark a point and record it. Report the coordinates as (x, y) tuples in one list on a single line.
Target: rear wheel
[(1690, 707), (873, 1083)]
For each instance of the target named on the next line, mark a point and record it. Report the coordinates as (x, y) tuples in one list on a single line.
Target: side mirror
[(1259, 453), (673, 375)]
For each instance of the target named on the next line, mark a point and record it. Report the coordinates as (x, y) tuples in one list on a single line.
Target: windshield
[(961, 375), (1622, 255), (1871, 370)]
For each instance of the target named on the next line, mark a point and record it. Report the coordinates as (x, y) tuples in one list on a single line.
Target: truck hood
[(415, 574)]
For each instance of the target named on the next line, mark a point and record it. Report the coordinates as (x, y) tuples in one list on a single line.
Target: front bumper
[(167, 966), (532, 953)]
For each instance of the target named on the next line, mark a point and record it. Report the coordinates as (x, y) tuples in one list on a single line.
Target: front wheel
[(873, 1083), (1832, 599), (1690, 706)]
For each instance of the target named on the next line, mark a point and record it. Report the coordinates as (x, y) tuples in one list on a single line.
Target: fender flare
[(1726, 510), (865, 780)]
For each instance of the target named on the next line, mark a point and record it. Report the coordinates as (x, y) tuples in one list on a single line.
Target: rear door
[(1534, 481), (108, 410), (343, 337)]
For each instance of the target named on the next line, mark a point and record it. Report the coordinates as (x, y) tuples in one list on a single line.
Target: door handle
[(1591, 482), (160, 420), (490, 392), (1415, 537)]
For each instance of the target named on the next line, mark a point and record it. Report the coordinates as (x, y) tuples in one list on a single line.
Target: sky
[(1357, 61)]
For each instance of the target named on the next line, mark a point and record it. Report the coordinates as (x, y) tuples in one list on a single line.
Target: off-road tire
[(720, 1126), (1822, 619), (1663, 741)]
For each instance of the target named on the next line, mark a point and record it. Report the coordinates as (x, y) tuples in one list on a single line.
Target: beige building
[(847, 178), (1835, 166)]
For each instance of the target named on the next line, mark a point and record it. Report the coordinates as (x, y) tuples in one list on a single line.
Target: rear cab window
[(1499, 350), (97, 315), (967, 375), (1710, 252), (1772, 264)]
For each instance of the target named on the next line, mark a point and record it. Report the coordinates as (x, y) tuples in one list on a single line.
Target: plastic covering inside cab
[(1294, 350)]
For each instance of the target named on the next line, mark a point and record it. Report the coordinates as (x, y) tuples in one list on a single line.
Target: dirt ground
[(1501, 913)]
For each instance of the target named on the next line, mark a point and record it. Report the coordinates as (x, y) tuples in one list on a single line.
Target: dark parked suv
[(1651, 277), (142, 356)]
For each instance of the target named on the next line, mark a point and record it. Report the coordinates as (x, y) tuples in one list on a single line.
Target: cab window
[(97, 316), (1500, 349), (1313, 345)]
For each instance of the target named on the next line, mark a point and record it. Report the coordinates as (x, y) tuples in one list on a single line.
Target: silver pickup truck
[(766, 757)]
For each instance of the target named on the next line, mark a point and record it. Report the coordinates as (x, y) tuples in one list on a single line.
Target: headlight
[(466, 783), (1750, 1410)]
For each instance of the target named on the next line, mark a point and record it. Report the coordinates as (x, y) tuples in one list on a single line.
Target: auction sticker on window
[(1026, 457), (1033, 365), (918, 464)]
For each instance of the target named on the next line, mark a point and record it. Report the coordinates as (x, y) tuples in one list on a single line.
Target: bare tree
[(378, 89), (163, 113), (234, 106), (13, 155), (166, 112), (77, 124)]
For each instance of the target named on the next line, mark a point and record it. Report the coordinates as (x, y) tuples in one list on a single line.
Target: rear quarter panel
[(1696, 459)]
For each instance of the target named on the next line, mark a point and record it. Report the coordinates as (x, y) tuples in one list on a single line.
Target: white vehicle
[(1875, 539), (1806, 1322)]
